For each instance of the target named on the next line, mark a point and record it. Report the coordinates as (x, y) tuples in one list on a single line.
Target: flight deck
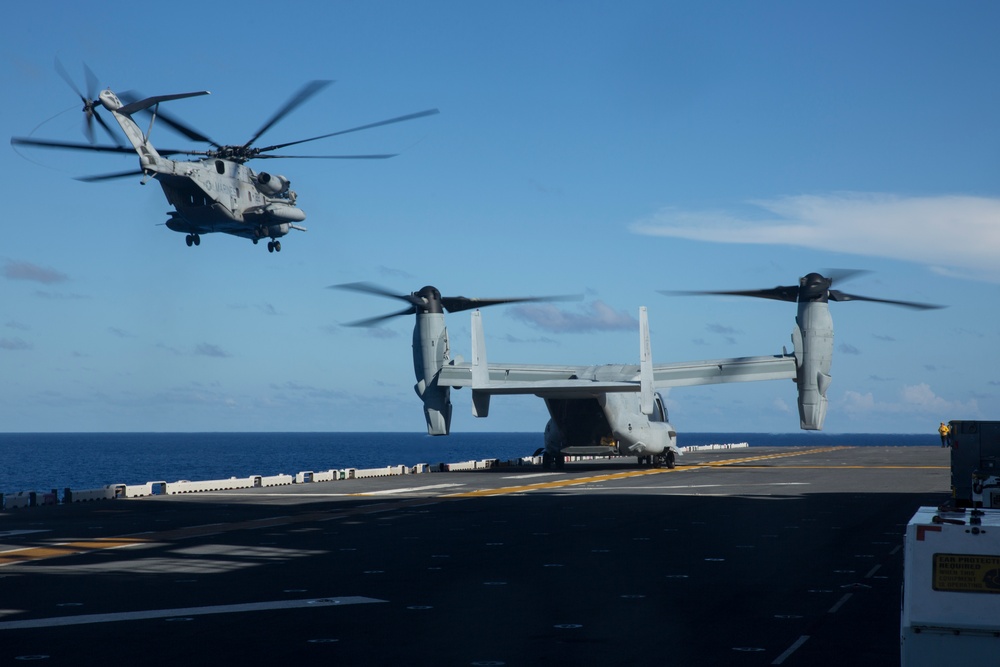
[(759, 556)]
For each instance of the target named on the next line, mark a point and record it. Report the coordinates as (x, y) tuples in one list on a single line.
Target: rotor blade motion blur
[(429, 300), (811, 287)]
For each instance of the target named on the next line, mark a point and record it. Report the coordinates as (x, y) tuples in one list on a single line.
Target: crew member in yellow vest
[(945, 431)]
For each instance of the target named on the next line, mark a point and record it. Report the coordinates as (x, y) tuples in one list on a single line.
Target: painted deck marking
[(531, 475), (60, 621), (576, 481), (840, 603), (67, 549), (25, 555), (791, 649), (29, 554), (15, 533), (409, 489)]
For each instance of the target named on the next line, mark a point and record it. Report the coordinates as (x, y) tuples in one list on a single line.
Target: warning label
[(966, 573)]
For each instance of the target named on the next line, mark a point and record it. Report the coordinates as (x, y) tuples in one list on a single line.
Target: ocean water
[(45, 461)]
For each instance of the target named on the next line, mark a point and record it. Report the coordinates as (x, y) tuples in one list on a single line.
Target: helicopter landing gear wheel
[(255, 241), (273, 246), (189, 240), (277, 246), (270, 246), (197, 239)]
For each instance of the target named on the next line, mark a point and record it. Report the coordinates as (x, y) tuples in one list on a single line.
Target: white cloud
[(595, 316), (14, 344), (954, 234), (915, 399), (210, 350), (20, 270)]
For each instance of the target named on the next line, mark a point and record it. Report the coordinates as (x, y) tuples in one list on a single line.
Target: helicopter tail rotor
[(90, 102)]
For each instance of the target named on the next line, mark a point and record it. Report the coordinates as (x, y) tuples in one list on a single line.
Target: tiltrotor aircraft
[(612, 409), (217, 193), (812, 337)]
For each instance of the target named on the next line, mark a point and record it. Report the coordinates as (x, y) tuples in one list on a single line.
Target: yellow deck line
[(541, 486), (838, 467), (67, 549), (29, 554)]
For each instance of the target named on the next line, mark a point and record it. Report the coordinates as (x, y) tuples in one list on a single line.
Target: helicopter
[(216, 192), (613, 409)]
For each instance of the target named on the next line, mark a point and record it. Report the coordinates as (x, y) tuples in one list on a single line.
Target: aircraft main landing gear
[(662, 460), (192, 239), (548, 460), (273, 246)]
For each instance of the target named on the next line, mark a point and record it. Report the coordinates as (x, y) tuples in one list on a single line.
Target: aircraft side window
[(661, 409), (220, 166)]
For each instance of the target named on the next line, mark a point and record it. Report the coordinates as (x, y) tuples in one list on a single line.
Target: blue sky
[(608, 149)]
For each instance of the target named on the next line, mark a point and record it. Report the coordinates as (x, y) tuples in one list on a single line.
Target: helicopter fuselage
[(215, 194), (223, 196)]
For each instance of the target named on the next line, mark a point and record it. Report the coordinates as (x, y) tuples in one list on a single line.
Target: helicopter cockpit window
[(220, 166)]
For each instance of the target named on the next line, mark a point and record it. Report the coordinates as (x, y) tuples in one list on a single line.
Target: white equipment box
[(951, 588)]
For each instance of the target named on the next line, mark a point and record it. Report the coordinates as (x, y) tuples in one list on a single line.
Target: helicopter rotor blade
[(104, 125), (369, 288), (97, 148), (398, 119), (170, 121), (329, 157), (424, 299), (377, 290), (90, 101), (455, 304), (781, 293), (91, 82), (837, 295), (843, 275), (372, 321), (108, 177), (298, 99), (69, 80), (45, 143), (814, 287)]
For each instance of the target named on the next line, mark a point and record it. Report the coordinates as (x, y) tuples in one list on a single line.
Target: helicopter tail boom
[(122, 113)]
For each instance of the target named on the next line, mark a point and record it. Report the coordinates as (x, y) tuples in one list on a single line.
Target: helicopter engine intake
[(272, 184)]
